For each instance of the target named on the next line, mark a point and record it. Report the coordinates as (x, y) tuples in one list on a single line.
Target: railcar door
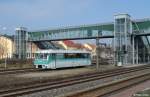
[(52, 61)]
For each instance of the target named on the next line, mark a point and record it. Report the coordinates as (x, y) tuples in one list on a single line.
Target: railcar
[(53, 59)]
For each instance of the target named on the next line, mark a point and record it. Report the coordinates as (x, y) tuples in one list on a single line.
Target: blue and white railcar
[(62, 58)]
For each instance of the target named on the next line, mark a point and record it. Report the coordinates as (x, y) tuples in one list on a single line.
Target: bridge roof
[(109, 26)]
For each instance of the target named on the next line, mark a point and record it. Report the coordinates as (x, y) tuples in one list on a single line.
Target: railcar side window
[(53, 55), (76, 55), (70, 55), (59, 56)]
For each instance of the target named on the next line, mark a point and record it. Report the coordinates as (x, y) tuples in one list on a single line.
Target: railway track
[(109, 88), (14, 71), (68, 81)]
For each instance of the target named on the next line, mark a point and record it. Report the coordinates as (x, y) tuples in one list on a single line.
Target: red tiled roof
[(70, 43)]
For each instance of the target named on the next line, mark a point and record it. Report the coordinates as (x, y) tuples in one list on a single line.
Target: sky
[(44, 14)]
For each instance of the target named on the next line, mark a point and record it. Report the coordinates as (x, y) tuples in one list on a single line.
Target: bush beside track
[(17, 63)]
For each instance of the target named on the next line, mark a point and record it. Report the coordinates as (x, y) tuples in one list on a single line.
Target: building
[(6, 46), (90, 47)]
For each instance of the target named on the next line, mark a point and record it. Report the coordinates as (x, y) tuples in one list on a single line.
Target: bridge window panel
[(85, 33), (94, 33), (62, 35), (105, 32), (67, 34), (71, 35), (81, 33), (58, 35), (42, 36), (76, 33), (89, 34), (122, 28), (52, 35), (55, 35), (120, 21), (117, 28), (46, 35), (49, 33), (128, 26)]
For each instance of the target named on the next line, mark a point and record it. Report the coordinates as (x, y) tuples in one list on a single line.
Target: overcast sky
[(43, 14)]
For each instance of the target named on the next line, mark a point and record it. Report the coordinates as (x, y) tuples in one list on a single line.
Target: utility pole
[(137, 52), (133, 50), (97, 53)]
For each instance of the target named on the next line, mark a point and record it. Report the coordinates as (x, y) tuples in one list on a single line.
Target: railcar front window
[(41, 56), (45, 56), (36, 56)]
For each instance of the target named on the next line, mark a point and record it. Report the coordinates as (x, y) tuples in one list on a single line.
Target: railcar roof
[(62, 51)]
